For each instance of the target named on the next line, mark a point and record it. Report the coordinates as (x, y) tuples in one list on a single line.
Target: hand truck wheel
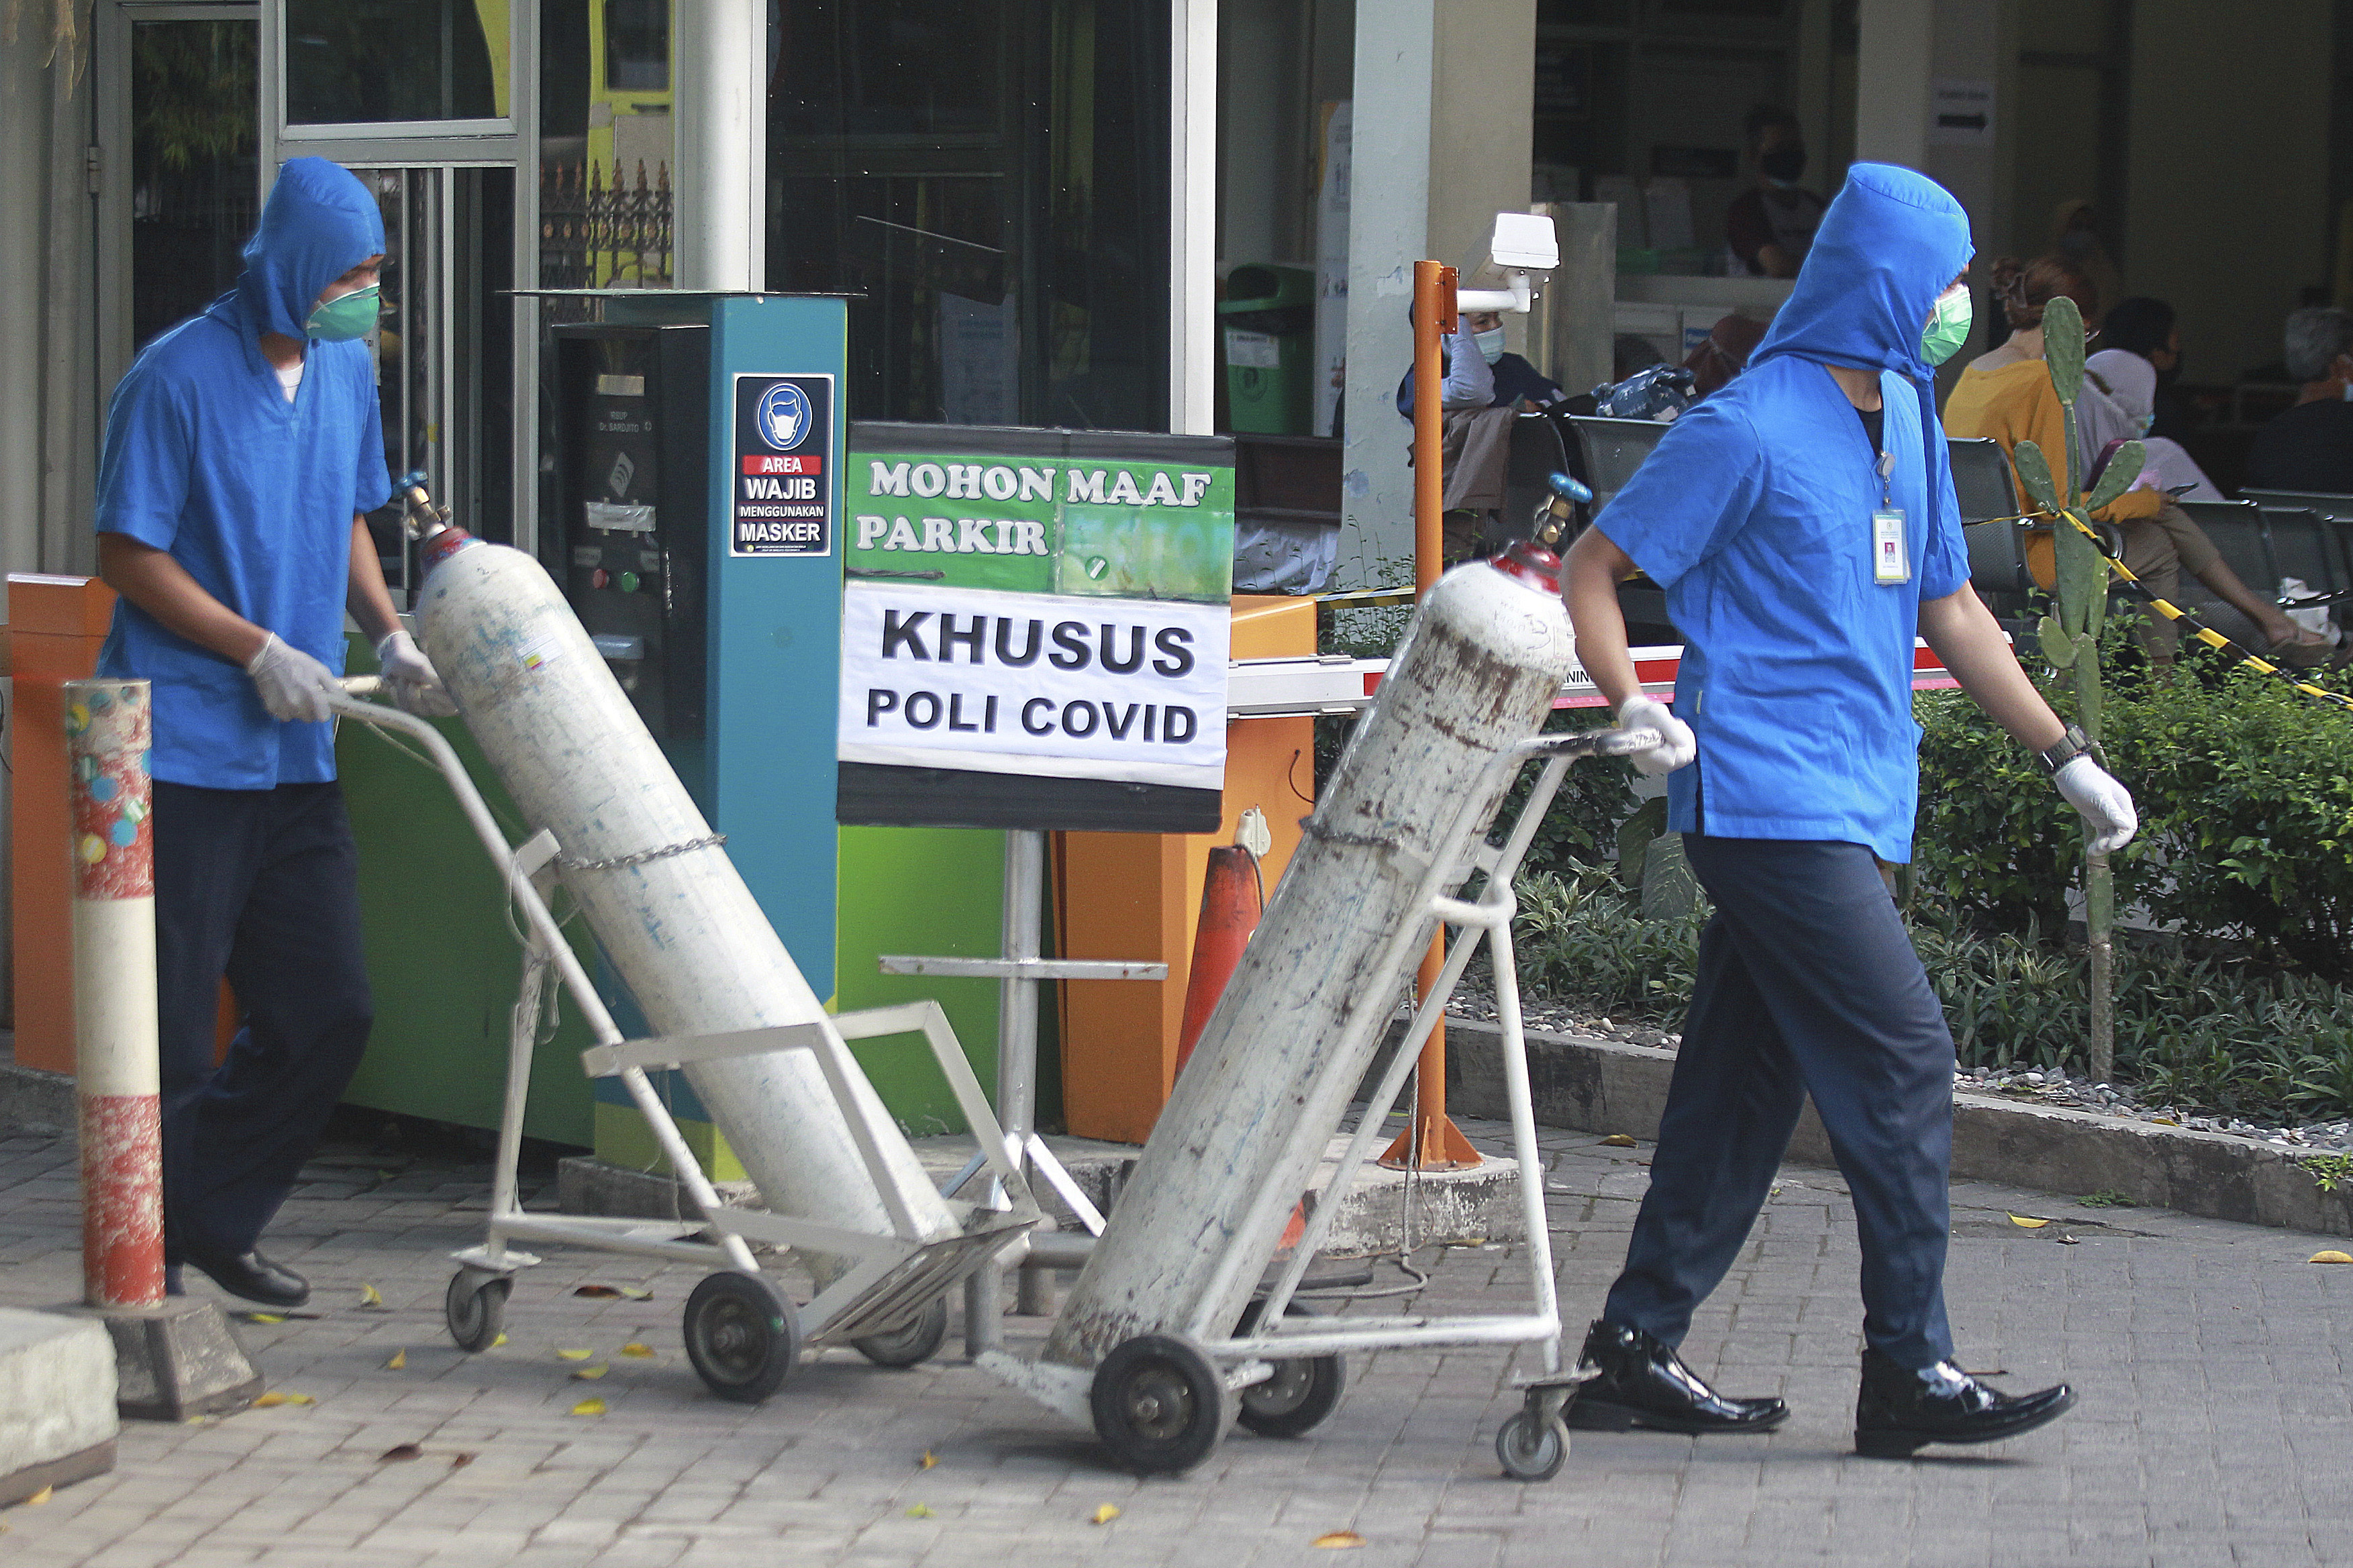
[(475, 1305), (916, 1339), (742, 1336), (1160, 1403), (1531, 1450), (1303, 1392)]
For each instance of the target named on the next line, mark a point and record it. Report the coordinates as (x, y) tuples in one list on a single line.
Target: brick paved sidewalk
[(2215, 1426)]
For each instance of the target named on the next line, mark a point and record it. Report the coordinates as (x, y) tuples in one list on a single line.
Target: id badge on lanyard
[(1891, 557)]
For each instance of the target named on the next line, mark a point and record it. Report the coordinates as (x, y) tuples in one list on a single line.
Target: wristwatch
[(2072, 744)]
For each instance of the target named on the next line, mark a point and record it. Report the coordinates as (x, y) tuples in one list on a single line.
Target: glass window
[(193, 168), (637, 45), (607, 149), (362, 61), (991, 177)]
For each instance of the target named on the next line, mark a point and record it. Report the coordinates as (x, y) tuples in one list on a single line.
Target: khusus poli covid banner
[(1059, 618)]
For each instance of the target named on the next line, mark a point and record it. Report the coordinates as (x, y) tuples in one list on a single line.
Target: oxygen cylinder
[(667, 904), (1301, 1018)]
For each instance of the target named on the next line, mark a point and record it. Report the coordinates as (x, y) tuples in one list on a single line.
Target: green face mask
[(1948, 326), (346, 316)]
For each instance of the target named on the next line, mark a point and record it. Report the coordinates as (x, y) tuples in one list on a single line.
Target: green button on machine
[(628, 581)]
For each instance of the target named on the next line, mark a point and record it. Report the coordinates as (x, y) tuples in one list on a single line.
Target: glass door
[(445, 348), (178, 172)]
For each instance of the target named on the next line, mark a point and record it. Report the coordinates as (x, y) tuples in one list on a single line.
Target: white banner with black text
[(1050, 685)]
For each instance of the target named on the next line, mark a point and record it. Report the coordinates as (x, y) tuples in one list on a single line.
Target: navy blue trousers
[(1808, 983), (260, 885)]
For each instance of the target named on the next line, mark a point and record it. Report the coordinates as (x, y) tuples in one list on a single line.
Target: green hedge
[(2192, 1031), (2246, 809)]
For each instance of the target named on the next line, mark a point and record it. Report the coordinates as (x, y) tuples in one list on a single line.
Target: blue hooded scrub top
[(1755, 514), (207, 459)]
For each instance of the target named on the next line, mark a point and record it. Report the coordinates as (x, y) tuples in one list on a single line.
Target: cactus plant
[(2071, 639)]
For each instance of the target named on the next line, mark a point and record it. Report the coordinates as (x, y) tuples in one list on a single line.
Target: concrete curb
[(1600, 1086), (32, 1100)]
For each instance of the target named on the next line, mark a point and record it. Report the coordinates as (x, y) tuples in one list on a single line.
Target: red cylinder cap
[(1527, 562)]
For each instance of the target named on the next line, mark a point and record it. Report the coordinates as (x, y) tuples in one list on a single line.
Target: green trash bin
[(1269, 320)]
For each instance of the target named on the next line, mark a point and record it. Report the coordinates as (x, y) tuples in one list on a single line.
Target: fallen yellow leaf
[(919, 1511), (575, 1355), (2028, 1222), (638, 1348), (398, 1361), (1617, 1141), (634, 1294), (263, 1317), (591, 1374), (589, 1407), (38, 1497), (1104, 1514), (1341, 1539), (2330, 1254), (274, 1398), (497, 1342), (929, 1459), (371, 1297)]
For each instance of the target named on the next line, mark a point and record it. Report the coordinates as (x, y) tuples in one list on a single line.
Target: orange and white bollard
[(108, 735)]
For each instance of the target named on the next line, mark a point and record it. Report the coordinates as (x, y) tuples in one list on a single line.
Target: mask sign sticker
[(782, 499)]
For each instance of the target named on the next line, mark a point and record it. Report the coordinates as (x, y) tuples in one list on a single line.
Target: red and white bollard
[(108, 735)]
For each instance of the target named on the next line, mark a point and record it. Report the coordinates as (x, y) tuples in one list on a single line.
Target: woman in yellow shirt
[(2007, 395)]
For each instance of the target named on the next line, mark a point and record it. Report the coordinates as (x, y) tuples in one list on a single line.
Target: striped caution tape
[(2203, 632)]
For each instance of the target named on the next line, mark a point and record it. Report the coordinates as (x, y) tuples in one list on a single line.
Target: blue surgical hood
[(318, 224), (1890, 243)]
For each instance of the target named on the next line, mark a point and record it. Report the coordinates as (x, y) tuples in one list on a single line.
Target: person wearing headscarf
[(242, 448), (1803, 524)]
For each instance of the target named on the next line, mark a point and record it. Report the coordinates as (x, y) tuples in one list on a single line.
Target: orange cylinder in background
[(1137, 895)]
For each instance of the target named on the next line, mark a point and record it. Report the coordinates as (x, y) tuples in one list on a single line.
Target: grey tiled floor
[(2215, 1427)]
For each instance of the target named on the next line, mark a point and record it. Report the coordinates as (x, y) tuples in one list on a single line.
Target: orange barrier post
[(1231, 902), (1433, 1143)]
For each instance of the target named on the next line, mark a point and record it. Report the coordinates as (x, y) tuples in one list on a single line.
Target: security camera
[(1523, 243)]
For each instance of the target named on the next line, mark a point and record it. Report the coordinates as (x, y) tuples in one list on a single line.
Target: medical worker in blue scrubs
[(240, 450), (1803, 525)]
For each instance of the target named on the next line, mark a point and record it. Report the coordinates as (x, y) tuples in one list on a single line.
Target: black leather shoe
[(1899, 1409), (1641, 1382), (254, 1277)]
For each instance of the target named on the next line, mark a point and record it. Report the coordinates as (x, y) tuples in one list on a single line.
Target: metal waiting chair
[(2238, 529), (2335, 513), (1989, 501), (1612, 451)]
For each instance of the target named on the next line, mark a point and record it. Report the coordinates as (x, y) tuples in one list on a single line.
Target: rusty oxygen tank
[(665, 902), (1302, 1019)]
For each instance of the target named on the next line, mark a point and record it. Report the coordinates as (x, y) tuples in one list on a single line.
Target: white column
[(1193, 217), (1891, 71), (24, 225), (723, 144), (1388, 231)]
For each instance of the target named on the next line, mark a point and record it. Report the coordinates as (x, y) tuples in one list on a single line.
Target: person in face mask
[(1767, 229), (2007, 395), (1803, 524), (2310, 447), (241, 448), (1484, 386)]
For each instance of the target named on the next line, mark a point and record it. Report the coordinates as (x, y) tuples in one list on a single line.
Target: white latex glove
[(2109, 819), (1677, 745), (411, 678), (294, 685)]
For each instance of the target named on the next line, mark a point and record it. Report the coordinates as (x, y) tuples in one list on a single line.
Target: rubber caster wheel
[(1531, 1450), (742, 1336), (475, 1306), (1160, 1403), (1302, 1393), (917, 1340)]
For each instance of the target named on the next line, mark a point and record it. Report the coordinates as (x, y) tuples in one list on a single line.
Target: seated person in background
[(1484, 386), (2310, 447), (1768, 229), (2007, 395), (2129, 383), (2141, 325)]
